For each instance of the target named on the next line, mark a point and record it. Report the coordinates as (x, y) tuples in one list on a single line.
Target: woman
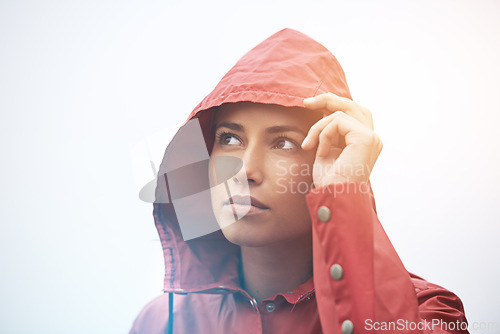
[(300, 250)]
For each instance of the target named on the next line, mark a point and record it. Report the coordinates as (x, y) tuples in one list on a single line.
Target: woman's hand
[(347, 145)]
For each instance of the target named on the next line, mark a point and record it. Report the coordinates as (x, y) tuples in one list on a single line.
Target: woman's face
[(276, 173)]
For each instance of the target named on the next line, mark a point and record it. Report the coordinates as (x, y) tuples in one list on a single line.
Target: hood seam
[(321, 82), (222, 97)]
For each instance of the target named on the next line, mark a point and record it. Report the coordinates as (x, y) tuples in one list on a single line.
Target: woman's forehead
[(266, 113)]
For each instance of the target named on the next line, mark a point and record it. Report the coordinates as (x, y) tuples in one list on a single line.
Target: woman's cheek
[(296, 182)]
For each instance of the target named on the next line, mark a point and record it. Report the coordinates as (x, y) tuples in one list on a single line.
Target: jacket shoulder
[(153, 318), (436, 302)]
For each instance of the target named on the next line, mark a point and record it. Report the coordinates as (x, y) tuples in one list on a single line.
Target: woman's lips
[(245, 206), (242, 210)]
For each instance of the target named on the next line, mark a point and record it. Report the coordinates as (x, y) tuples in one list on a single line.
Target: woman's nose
[(252, 166)]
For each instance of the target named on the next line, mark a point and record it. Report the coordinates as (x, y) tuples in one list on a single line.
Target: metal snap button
[(337, 272), (347, 327), (324, 214), (270, 307)]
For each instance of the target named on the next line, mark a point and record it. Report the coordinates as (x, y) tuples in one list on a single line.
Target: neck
[(276, 268)]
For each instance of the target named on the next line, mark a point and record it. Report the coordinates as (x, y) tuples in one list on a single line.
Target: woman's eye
[(228, 139), (285, 144)]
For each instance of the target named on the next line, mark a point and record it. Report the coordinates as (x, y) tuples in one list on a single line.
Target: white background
[(81, 82)]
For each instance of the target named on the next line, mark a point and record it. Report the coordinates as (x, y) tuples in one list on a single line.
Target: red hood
[(284, 69)]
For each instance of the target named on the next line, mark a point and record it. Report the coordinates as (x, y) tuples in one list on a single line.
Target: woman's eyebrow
[(232, 126), (271, 129), (285, 128)]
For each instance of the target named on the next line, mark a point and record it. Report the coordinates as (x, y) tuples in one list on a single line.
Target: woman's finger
[(340, 127), (333, 103), (329, 101), (312, 138)]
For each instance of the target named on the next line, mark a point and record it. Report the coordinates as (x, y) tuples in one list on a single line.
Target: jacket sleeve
[(153, 318), (361, 284)]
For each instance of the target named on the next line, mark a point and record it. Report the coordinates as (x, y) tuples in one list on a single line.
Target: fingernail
[(309, 99), (305, 141)]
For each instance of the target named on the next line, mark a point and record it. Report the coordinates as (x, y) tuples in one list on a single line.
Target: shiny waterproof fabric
[(202, 274)]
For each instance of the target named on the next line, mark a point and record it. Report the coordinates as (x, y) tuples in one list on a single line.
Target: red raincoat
[(359, 283)]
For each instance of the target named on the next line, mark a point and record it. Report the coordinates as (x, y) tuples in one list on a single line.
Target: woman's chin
[(241, 235)]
